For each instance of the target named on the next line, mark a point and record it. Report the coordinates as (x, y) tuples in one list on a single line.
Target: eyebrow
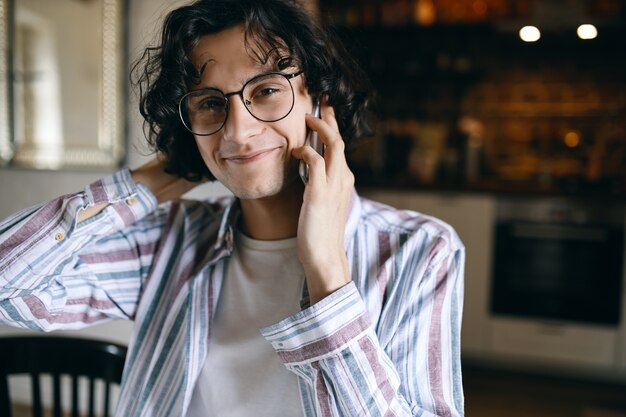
[(204, 65), (241, 81)]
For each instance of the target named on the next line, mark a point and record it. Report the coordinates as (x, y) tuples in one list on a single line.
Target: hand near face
[(325, 206), (164, 186)]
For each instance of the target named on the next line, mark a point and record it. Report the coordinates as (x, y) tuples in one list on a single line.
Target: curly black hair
[(163, 73)]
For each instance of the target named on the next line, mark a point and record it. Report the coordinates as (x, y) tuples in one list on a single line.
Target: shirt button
[(59, 236), (131, 201)]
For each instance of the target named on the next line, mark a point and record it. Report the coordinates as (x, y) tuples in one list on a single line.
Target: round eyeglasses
[(267, 97)]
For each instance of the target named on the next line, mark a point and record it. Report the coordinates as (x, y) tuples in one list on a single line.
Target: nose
[(240, 124)]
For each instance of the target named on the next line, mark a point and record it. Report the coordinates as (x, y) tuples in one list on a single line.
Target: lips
[(249, 157)]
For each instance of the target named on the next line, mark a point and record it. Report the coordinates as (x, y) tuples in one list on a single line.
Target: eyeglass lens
[(268, 98)]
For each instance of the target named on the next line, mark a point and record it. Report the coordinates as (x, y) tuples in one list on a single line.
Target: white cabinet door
[(557, 345)]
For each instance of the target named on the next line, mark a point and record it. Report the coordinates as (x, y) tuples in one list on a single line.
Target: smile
[(250, 157)]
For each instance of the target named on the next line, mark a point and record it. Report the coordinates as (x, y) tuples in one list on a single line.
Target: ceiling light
[(587, 32), (529, 34)]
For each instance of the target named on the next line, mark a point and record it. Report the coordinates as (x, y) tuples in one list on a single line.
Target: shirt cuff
[(128, 201), (321, 330)]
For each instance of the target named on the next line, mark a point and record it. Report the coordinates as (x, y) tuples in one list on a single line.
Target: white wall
[(21, 188)]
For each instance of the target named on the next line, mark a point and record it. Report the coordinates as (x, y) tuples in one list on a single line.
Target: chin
[(255, 194), (268, 188)]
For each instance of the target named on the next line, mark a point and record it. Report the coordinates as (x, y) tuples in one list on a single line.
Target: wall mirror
[(62, 83)]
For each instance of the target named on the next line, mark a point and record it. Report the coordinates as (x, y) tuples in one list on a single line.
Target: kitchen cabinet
[(521, 343), (472, 216), (459, 103), (558, 345), (557, 283), (621, 341)]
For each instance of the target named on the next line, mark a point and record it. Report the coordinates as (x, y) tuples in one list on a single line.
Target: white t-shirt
[(243, 376)]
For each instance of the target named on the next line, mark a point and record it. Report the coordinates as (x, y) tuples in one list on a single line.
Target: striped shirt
[(386, 344)]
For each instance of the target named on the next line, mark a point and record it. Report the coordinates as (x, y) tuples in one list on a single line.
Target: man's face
[(250, 157)]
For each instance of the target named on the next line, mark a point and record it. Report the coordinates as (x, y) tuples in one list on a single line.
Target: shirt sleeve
[(56, 273), (408, 366)]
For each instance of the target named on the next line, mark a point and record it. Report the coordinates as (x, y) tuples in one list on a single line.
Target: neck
[(275, 217)]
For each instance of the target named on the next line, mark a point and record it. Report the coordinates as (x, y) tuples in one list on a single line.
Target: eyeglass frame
[(239, 93)]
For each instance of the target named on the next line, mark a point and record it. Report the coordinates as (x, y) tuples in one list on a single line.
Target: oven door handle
[(532, 231)]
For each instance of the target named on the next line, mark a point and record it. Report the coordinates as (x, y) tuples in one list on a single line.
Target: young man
[(288, 300)]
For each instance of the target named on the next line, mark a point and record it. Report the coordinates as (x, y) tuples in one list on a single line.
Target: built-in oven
[(559, 259)]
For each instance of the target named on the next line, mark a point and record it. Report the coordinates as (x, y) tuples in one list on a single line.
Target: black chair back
[(56, 356)]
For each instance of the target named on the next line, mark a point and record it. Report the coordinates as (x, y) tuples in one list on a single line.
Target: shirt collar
[(232, 211), (230, 217)]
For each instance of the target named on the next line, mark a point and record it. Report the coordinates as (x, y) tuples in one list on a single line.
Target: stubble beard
[(271, 187)]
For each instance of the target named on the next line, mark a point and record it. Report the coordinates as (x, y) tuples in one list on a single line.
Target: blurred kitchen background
[(507, 119)]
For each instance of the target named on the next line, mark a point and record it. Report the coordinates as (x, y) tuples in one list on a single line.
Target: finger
[(317, 164), (334, 145), (327, 133), (326, 126), (308, 155), (328, 114)]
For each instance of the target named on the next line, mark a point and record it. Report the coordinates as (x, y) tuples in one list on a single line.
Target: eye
[(267, 91), (210, 104)]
